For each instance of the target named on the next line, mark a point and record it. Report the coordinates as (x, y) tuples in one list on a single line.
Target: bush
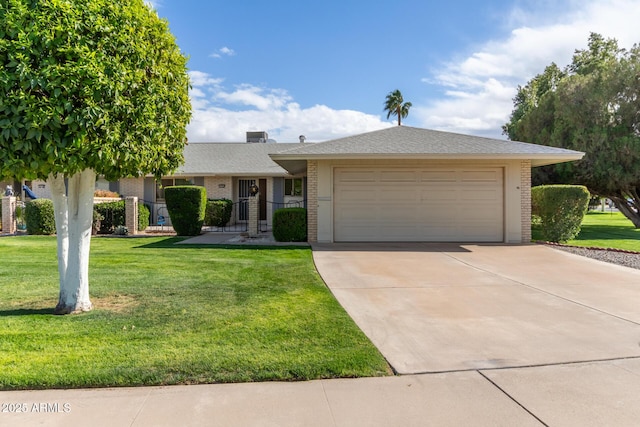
[(218, 212), (143, 216), (113, 214), (559, 210), (105, 193), (186, 205), (290, 225), (40, 217)]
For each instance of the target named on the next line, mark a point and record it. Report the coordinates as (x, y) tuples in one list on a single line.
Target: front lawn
[(605, 230), (174, 314)]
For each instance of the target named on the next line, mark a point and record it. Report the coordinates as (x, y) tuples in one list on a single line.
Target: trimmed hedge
[(114, 214), (559, 209), (218, 212), (144, 213), (40, 217), (290, 225), (186, 205)]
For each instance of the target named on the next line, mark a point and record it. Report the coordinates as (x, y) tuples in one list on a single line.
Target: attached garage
[(410, 184), (400, 204)]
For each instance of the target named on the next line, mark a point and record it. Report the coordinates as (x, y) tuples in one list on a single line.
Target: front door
[(244, 193)]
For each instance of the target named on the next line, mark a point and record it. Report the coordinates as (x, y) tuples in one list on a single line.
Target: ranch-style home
[(397, 184), (410, 184)]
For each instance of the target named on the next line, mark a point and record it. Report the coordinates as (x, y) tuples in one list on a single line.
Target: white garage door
[(424, 205)]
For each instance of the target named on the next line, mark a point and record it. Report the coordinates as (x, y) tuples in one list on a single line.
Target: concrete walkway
[(514, 336)]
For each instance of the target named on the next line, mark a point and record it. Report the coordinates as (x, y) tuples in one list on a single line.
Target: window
[(170, 182), (293, 187)]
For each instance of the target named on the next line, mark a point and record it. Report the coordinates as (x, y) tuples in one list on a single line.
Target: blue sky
[(323, 69)]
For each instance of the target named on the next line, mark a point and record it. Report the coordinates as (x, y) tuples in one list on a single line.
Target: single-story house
[(410, 184), (226, 170), (397, 184)]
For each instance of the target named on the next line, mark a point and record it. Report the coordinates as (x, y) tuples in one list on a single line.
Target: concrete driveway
[(557, 333), (449, 307)]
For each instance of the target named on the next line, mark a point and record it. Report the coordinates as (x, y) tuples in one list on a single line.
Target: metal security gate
[(244, 192)]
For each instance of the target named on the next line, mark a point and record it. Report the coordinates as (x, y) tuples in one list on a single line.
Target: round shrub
[(186, 205), (559, 210), (218, 212), (40, 217), (143, 216), (290, 225)]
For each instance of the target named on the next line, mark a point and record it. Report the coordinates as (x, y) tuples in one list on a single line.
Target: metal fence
[(159, 216)]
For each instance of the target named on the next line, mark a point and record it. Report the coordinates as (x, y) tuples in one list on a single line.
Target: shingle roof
[(247, 159), (410, 140)]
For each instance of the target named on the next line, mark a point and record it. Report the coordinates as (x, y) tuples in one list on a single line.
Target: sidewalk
[(583, 394), (453, 399)]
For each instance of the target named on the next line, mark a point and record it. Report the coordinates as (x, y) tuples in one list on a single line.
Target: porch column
[(9, 215), (131, 214), (254, 212)]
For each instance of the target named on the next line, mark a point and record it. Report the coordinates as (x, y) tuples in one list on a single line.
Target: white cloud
[(223, 51), (480, 86), (271, 110)]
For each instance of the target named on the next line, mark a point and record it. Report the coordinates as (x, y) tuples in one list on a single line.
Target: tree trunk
[(74, 215), (623, 206)]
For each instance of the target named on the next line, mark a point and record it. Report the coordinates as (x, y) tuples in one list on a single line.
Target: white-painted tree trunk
[(74, 216)]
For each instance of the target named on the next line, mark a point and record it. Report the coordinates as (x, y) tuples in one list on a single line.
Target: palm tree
[(394, 105)]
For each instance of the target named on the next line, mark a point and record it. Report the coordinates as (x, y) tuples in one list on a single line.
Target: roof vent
[(302, 138), (260, 137)]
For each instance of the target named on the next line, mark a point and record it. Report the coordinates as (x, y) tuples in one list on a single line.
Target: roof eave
[(538, 157)]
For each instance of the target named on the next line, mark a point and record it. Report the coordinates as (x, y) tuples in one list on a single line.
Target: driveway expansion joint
[(513, 399)]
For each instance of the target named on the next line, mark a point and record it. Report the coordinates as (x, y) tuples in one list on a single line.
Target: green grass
[(608, 230), (172, 314)]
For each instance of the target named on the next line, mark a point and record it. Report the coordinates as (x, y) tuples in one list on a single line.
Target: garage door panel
[(357, 176), (398, 176), (435, 195), (438, 176), (488, 196), (398, 194), (479, 176), (357, 196), (394, 204)]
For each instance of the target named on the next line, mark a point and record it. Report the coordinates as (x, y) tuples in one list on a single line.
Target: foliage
[(560, 209), (40, 217), (394, 105), (89, 84), (250, 315), (113, 214), (186, 205), (121, 230), (218, 212), (290, 225), (590, 106), (105, 193), (144, 214)]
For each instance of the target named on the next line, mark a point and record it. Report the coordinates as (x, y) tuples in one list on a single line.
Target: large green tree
[(89, 87), (395, 105), (593, 105)]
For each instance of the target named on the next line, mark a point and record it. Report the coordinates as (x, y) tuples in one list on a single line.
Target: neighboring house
[(411, 184), (226, 170), (396, 184)]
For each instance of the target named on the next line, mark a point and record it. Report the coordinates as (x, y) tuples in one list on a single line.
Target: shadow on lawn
[(172, 243), (27, 312)]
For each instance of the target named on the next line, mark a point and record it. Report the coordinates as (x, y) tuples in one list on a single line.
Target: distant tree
[(592, 106), (394, 105), (89, 87)]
